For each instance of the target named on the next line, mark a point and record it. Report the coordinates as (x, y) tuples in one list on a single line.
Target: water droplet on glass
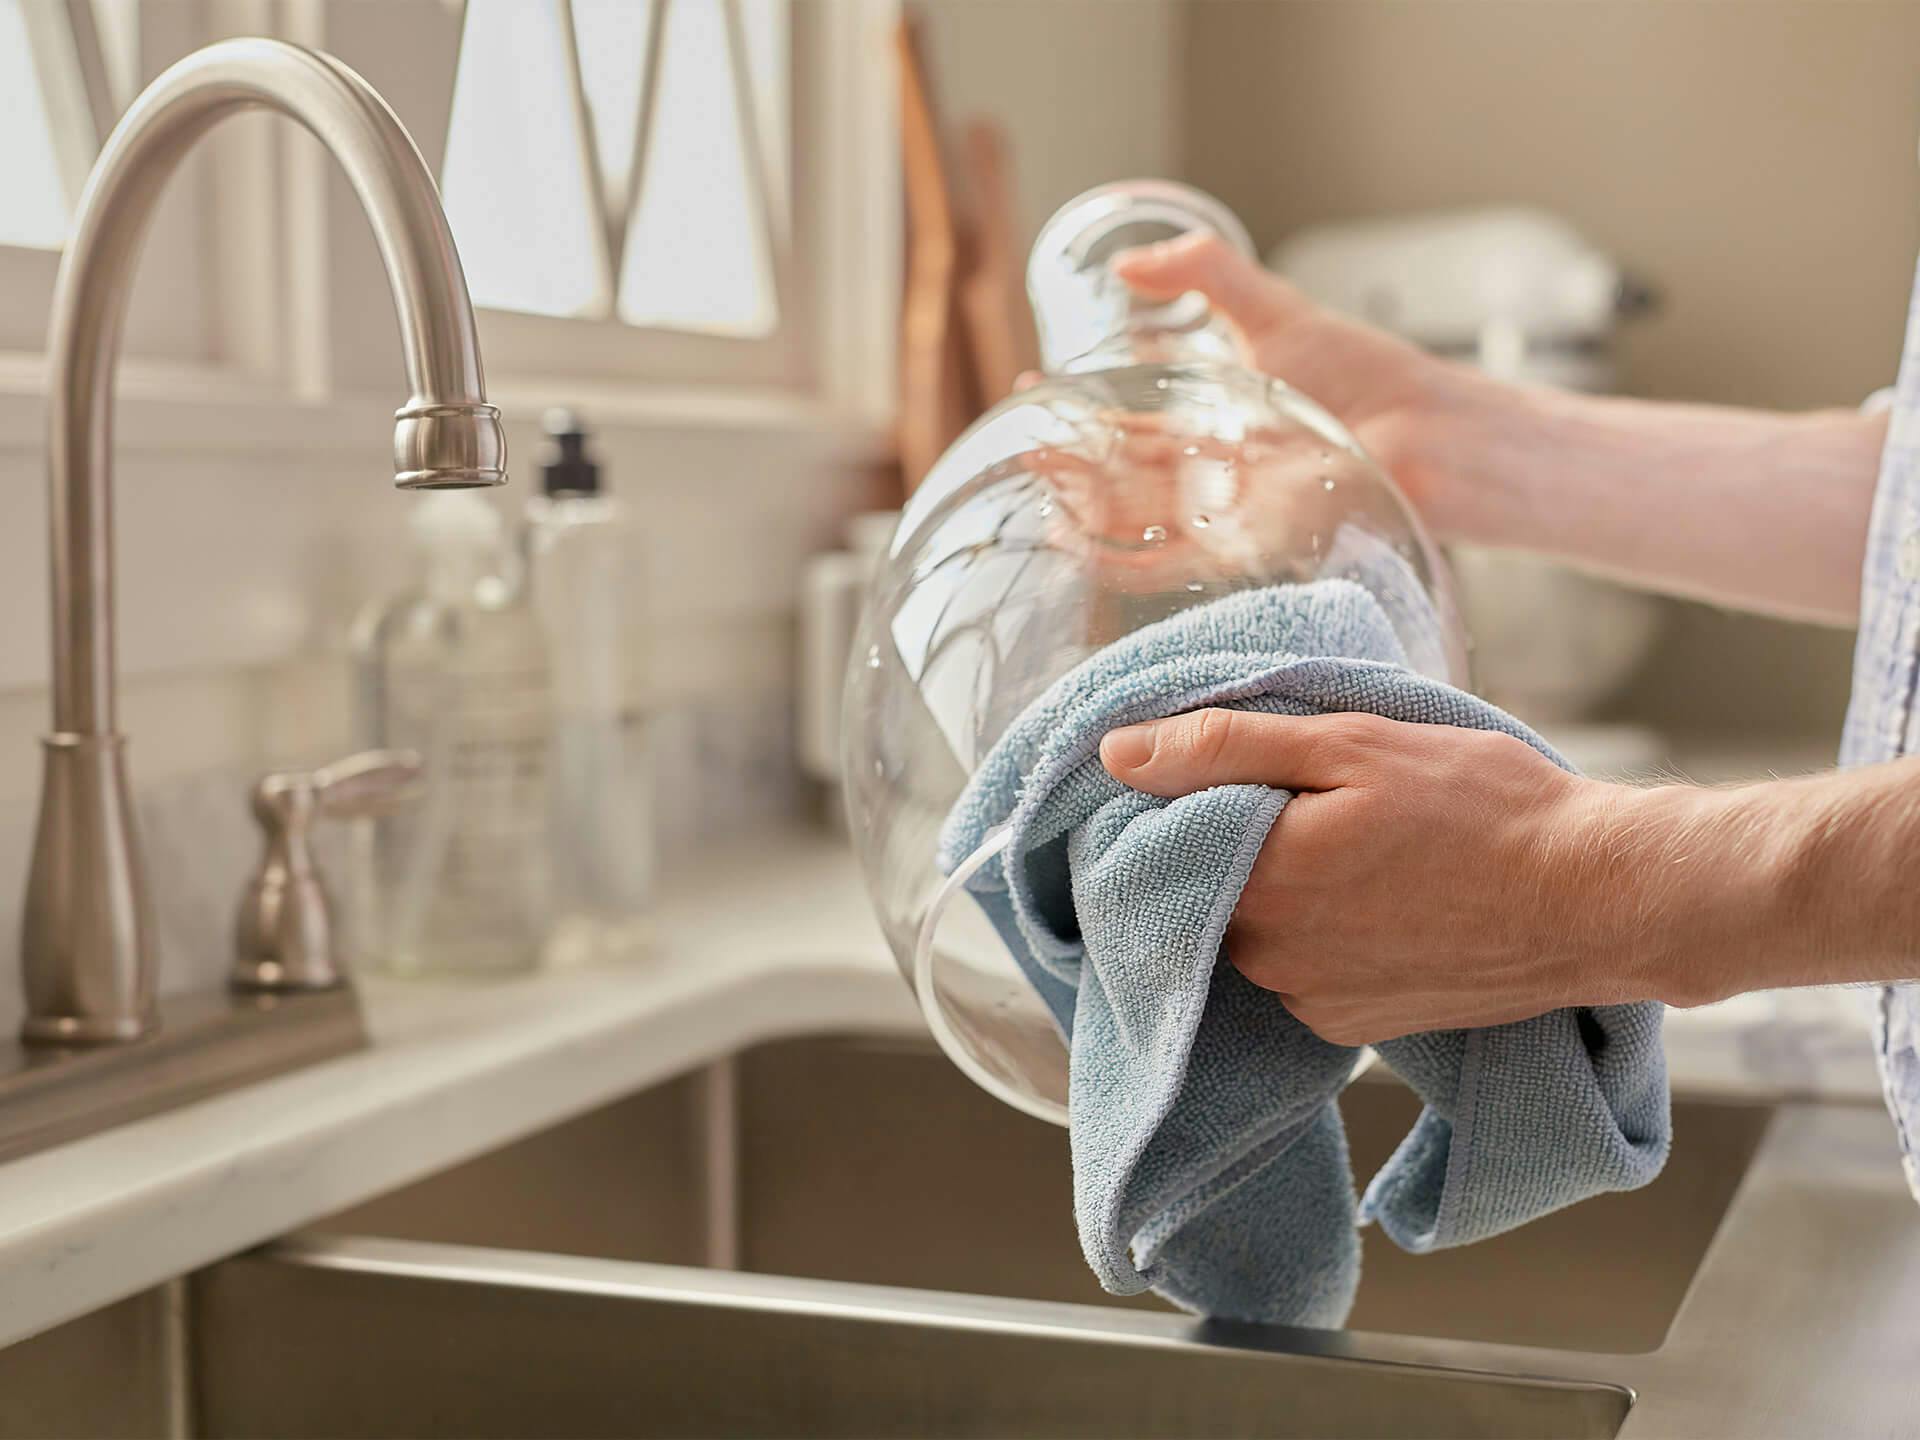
[(873, 657), (1195, 587), (1190, 451), (1316, 543), (1326, 457), (1201, 522), (1046, 508), (1327, 484), (1162, 383), (1154, 534)]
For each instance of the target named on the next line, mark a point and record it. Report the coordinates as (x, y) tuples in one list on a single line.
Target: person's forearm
[(1711, 892), (1746, 508)]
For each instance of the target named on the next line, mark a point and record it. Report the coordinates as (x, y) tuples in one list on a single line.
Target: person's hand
[(1419, 416), (1430, 877)]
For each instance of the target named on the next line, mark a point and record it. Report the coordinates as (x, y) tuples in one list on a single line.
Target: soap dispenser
[(581, 558), (455, 670)]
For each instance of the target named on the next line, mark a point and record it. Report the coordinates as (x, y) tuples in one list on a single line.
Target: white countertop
[(772, 939)]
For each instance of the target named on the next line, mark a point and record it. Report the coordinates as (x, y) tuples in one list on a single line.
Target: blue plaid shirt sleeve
[(1881, 717)]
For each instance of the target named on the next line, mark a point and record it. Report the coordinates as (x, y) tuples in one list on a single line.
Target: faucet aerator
[(448, 447), (450, 480)]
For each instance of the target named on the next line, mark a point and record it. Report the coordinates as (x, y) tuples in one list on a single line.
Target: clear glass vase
[(1147, 472)]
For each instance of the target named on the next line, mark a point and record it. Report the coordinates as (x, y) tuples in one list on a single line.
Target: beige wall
[(1088, 89), (1755, 158)]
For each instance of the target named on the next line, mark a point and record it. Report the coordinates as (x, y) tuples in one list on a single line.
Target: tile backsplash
[(719, 768), (236, 595)]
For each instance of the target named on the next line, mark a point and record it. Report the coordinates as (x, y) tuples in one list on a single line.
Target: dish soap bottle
[(456, 670), (576, 545)]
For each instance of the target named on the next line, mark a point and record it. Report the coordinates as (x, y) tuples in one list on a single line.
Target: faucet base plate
[(207, 1042), (66, 1031)]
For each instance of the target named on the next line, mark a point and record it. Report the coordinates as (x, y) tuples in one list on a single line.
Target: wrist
[(1733, 882), (1842, 909), (1678, 894), (1458, 451)]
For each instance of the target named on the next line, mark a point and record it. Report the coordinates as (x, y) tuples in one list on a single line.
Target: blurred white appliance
[(831, 588), (1515, 290), (1520, 293)]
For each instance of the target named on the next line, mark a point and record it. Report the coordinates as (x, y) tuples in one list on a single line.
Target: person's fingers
[(1252, 297), (1196, 751)]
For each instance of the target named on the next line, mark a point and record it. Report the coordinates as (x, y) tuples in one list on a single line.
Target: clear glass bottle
[(1146, 473), (456, 669), (580, 566)]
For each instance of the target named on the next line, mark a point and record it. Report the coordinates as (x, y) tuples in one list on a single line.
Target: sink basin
[(355, 1337), (875, 1161), (842, 1236)]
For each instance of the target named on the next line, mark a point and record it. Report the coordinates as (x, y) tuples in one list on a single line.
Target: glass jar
[(1147, 472)]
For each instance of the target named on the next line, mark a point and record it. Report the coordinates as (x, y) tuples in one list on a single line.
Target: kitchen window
[(620, 167), (623, 159), (622, 177), (731, 361)]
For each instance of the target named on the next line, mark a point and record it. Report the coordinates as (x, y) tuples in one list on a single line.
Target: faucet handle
[(284, 937)]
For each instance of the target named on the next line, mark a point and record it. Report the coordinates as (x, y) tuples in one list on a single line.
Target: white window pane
[(613, 52), (35, 211), (117, 22), (768, 59), (697, 247), (515, 181)]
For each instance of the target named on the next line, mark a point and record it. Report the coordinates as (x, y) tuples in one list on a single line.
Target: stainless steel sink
[(877, 1162), (333, 1338), (842, 1237)]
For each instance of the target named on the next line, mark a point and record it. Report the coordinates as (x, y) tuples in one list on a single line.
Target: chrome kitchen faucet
[(87, 961)]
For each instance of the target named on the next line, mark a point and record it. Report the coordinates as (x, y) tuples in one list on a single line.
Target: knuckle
[(1354, 740), (1207, 737), (1211, 249)]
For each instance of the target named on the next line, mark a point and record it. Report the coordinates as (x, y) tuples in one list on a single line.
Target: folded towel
[(1208, 1155)]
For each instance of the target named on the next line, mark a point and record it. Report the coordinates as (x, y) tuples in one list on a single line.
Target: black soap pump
[(566, 469)]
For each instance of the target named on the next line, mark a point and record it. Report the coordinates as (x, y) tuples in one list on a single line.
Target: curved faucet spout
[(88, 971)]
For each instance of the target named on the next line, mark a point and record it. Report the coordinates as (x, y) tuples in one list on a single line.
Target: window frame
[(841, 182), (174, 324), (301, 316)]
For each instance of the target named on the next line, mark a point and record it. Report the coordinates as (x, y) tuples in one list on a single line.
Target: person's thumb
[(1204, 748), (1253, 298)]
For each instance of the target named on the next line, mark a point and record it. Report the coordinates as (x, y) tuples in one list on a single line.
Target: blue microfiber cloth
[(1209, 1161)]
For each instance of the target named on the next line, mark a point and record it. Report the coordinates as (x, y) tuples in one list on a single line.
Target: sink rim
[(655, 1285), (1797, 1319), (656, 1282)]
